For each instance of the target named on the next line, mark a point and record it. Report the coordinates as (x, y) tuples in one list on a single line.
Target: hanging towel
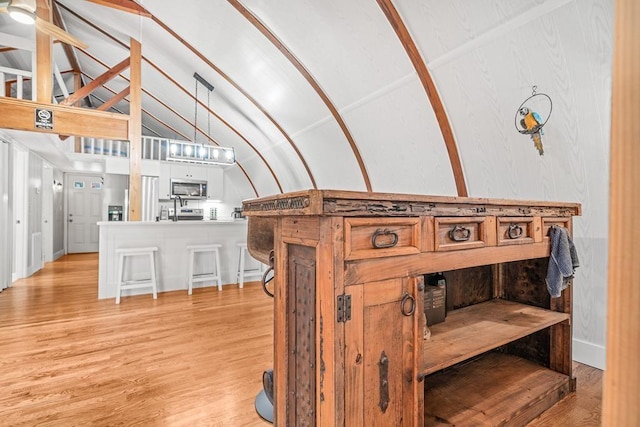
[(562, 262)]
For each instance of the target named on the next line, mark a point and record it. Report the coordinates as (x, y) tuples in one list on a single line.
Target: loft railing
[(161, 149), (8, 75)]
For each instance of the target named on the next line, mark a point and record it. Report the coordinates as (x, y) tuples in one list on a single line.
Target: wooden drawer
[(456, 233), (548, 222), (515, 231), (380, 237)]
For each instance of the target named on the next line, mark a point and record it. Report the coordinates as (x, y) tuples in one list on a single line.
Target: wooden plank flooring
[(69, 359)]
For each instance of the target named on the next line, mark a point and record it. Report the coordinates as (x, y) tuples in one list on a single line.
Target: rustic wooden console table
[(349, 282)]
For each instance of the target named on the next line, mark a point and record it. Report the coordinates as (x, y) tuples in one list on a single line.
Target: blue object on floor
[(264, 408)]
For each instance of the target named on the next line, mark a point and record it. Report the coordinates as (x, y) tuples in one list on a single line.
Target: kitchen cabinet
[(164, 181), (349, 323), (215, 180), (195, 172), (188, 171)]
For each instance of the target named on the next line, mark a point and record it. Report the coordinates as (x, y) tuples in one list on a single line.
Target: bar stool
[(123, 284), (243, 271), (216, 275)]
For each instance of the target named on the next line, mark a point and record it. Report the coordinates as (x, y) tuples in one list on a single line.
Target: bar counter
[(171, 238)]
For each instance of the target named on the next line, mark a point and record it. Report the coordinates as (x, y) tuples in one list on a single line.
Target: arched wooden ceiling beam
[(307, 75), (92, 25), (123, 5), (146, 92), (432, 93), (242, 91)]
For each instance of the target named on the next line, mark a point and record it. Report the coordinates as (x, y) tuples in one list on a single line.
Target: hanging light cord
[(195, 124)]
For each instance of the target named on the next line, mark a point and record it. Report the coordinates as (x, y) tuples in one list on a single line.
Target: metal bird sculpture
[(532, 122)]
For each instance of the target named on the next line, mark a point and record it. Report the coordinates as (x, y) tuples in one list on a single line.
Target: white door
[(20, 212), (83, 213), (47, 213)]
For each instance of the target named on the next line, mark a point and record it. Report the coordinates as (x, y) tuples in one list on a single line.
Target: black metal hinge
[(344, 308)]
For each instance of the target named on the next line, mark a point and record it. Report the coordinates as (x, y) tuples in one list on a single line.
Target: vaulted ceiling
[(343, 94), (326, 94)]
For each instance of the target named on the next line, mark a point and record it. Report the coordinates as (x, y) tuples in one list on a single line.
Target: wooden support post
[(43, 78), (77, 85), (622, 374), (135, 133)]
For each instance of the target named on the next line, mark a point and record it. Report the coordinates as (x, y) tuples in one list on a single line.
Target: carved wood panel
[(301, 398)]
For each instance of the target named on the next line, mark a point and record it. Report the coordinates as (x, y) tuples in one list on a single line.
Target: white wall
[(58, 214), (6, 227), (484, 63)]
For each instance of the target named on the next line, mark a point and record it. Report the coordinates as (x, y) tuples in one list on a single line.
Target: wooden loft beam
[(135, 133), (114, 100), (125, 6), (105, 77), (43, 76), (68, 49), (19, 114)]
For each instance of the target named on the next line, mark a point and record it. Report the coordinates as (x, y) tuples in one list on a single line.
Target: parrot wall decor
[(529, 122)]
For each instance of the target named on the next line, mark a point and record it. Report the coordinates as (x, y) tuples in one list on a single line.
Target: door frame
[(20, 209)]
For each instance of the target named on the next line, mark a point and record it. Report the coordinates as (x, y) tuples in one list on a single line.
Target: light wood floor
[(67, 358)]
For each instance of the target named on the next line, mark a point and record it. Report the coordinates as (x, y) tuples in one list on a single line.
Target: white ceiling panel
[(348, 46), (333, 164), (440, 27), (227, 39), (403, 118)]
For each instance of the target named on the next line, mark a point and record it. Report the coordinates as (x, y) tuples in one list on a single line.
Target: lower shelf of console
[(494, 389)]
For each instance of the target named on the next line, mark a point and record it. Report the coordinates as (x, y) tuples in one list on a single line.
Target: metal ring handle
[(459, 234), (515, 231), (403, 304), (385, 232), (265, 281)]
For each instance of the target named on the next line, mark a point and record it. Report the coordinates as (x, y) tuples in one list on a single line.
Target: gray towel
[(562, 262)]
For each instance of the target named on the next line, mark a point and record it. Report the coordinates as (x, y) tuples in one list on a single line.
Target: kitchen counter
[(172, 223), (171, 238)]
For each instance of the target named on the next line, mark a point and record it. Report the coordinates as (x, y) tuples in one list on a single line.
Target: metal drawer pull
[(383, 370), (385, 232), (403, 304), (514, 231), (459, 234)]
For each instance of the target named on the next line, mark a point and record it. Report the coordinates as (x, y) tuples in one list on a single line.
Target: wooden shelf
[(476, 329), (495, 389)]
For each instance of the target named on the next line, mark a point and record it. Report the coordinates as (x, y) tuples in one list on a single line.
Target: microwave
[(188, 189)]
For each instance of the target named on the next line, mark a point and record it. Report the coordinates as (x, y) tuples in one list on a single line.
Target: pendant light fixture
[(23, 11), (195, 152)]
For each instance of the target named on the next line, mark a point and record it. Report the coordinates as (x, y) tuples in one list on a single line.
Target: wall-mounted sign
[(78, 184), (44, 119)]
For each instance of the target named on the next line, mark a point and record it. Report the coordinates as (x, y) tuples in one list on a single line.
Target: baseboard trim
[(58, 254), (589, 353)]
